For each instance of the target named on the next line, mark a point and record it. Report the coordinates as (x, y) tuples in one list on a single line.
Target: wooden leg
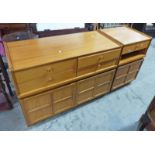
[(143, 122)]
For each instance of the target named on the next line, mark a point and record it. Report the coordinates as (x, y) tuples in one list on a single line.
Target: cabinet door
[(122, 71), (103, 83), (126, 73), (118, 82), (131, 76), (38, 107), (135, 66), (85, 90), (63, 98)]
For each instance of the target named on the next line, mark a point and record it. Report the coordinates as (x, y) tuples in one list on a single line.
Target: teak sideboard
[(54, 74)]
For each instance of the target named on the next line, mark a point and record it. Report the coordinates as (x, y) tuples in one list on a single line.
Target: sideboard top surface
[(30, 53), (125, 35)]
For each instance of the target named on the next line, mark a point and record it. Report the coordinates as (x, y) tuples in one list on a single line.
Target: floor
[(120, 110)]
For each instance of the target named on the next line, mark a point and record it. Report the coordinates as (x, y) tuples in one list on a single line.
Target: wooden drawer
[(135, 66), (39, 77), (95, 62), (63, 98), (85, 90), (119, 82), (38, 107), (135, 47)]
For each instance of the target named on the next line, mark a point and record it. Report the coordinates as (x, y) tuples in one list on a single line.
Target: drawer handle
[(49, 70), (101, 59), (50, 79), (99, 65)]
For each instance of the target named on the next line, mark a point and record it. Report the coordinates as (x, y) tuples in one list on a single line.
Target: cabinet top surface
[(30, 53), (125, 35)]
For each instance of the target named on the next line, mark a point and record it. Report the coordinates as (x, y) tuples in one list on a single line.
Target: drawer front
[(135, 47), (135, 66), (85, 90), (119, 82), (131, 76), (123, 70), (43, 76), (38, 107), (87, 64), (103, 78), (108, 59), (103, 89), (101, 61), (63, 98)]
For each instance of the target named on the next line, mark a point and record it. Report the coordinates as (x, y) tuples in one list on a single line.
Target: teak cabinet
[(54, 74)]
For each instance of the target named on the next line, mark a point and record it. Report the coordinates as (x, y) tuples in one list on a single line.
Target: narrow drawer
[(108, 59), (63, 98), (40, 77), (103, 89), (122, 71), (104, 78), (135, 47), (95, 62), (135, 66), (119, 82), (38, 107)]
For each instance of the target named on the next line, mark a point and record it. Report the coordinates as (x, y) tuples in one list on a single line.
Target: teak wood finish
[(54, 74)]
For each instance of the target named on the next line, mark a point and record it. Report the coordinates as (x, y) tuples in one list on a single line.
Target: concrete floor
[(119, 110)]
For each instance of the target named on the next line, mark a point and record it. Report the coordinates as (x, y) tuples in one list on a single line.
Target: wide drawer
[(135, 47), (63, 98), (38, 107), (40, 77), (96, 62)]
